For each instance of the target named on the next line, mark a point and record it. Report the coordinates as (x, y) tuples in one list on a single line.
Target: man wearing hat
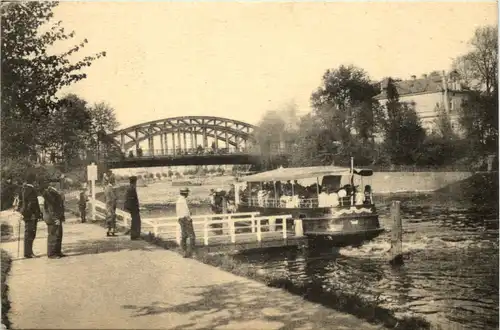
[(54, 217), (30, 210), (132, 206), (184, 216)]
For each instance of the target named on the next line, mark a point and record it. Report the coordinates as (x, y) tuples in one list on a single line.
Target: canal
[(450, 276)]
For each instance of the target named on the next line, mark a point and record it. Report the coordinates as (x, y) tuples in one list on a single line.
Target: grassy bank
[(6, 265)]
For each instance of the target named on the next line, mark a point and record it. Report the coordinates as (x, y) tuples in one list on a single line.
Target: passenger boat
[(328, 199)]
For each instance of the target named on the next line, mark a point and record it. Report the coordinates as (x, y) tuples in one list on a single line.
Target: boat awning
[(296, 173)]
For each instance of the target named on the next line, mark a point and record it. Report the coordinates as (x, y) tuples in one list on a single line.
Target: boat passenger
[(359, 197), (333, 199), (368, 195), (323, 200)]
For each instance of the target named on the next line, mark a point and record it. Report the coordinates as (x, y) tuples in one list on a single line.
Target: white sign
[(92, 172)]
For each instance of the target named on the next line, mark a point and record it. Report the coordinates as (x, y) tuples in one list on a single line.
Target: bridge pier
[(162, 146)]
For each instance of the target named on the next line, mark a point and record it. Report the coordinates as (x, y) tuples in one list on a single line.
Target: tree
[(404, 134), (345, 103), (69, 128), (31, 75), (479, 66), (104, 118), (479, 118)]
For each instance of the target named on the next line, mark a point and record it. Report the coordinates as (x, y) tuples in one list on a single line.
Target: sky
[(239, 60)]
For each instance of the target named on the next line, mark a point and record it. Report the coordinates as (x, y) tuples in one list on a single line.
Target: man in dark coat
[(132, 206), (30, 210), (54, 218)]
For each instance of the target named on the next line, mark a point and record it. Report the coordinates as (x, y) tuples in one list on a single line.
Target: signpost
[(92, 177)]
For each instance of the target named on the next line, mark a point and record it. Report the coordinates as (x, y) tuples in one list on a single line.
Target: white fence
[(231, 225)]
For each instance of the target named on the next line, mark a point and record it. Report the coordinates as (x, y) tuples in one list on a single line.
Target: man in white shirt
[(184, 216)]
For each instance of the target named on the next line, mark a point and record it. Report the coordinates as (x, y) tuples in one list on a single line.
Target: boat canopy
[(296, 173)]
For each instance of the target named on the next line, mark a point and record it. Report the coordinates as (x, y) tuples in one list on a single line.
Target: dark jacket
[(53, 205), (131, 200), (28, 206)]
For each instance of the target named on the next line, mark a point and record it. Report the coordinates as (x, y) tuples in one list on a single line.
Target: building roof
[(430, 84)]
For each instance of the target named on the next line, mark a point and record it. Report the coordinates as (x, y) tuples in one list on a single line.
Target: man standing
[(184, 216), (54, 218), (111, 199), (30, 210), (132, 206), (82, 205)]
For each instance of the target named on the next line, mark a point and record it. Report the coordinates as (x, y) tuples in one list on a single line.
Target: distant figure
[(30, 210), (111, 200), (132, 207), (184, 216), (54, 218), (82, 204), (359, 197), (368, 195)]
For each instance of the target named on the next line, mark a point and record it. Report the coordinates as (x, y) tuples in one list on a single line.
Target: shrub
[(163, 174), (158, 175), (6, 264)]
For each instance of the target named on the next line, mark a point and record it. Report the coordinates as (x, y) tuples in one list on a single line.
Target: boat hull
[(324, 227)]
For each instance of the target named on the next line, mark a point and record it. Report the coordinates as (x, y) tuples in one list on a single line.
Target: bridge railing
[(186, 152)]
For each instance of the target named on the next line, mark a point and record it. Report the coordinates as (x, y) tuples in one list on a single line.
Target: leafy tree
[(479, 118), (345, 104), (32, 75), (69, 128), (404, 134), (479, 67), (104, 118)]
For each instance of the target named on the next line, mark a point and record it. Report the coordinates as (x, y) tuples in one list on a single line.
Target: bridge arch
[(185, 132)]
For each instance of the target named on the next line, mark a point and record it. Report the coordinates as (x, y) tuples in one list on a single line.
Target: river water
[(450, 275)]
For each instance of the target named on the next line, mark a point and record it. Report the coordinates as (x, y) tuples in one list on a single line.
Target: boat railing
[(295, 202)]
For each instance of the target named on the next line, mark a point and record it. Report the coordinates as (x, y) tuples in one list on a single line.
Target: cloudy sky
[(238, 60)]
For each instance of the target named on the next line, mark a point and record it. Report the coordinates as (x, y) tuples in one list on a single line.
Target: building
[(430, 94)]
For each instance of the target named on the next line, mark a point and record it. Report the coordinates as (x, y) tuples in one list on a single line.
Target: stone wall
[(393, 182)]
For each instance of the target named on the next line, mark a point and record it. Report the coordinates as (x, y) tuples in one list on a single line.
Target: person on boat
[(368, 195), (333, 199), (186, 223), (359, 197), (323, 200)]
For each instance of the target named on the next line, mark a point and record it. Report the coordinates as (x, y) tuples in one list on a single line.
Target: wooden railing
[(169, 226)]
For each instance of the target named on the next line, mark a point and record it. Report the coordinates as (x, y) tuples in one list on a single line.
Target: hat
[(184, 190), (218, 190), (133, 179)]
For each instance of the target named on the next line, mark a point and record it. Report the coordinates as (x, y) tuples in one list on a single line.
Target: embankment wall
[(393, 182)]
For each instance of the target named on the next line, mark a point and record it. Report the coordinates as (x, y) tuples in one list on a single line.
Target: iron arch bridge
[(186, 140)]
